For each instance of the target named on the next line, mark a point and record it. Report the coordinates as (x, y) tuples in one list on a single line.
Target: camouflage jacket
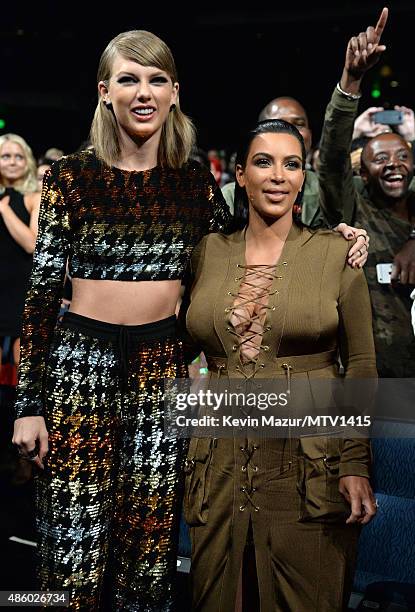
[(341, 200)]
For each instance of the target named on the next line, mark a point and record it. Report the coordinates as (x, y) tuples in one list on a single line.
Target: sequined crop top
[(109, 224)]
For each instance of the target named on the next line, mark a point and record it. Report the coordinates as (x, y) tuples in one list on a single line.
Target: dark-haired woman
[(126, 215), (274, 299)]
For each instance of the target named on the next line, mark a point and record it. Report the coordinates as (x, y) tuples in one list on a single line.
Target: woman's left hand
[(359, 494), (357, 256)]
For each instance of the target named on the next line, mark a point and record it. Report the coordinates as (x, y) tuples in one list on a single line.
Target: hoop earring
[(172, 107), (107, 105)]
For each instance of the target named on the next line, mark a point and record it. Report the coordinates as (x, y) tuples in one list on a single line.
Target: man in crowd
[(385, 208)]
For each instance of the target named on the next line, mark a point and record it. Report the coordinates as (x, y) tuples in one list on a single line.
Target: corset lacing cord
[(250, 489), (268, 273)]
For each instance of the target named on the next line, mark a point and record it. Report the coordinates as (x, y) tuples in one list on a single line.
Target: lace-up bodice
[(250, 308)]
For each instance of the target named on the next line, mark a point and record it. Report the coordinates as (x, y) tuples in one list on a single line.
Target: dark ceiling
[(231, 61)]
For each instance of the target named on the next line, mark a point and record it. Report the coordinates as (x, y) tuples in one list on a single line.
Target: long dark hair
[(241, 205)]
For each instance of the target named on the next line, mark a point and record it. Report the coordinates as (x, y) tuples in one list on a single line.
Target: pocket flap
[(314, 447)]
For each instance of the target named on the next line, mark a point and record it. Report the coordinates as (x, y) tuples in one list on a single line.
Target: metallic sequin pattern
[(108, 501)]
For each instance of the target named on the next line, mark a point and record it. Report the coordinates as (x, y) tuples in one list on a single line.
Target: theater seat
[(387, 544)]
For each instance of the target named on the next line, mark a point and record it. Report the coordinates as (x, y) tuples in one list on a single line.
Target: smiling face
[(273, 174), (387, 166), (13, 163), (141, 97)]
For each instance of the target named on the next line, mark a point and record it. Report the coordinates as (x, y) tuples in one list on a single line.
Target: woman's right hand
[(30, 434)]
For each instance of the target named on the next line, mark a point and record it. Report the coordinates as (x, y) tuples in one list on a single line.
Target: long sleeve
[(191, 348), (359, 359), (338, 195), (44, 295), (221, 216)]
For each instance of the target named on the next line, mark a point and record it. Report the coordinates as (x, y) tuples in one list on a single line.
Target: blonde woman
[(126, 215), (19, 209)]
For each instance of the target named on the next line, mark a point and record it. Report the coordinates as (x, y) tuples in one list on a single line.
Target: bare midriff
[(249, 310), (125, 302)]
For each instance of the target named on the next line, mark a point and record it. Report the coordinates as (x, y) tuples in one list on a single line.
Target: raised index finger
[(380, 26)]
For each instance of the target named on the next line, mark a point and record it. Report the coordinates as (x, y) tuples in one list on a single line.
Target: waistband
[(280, 365), (112, 331), (121, 335)]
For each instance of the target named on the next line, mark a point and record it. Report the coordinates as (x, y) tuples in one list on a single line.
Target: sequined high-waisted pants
[(108, 503)]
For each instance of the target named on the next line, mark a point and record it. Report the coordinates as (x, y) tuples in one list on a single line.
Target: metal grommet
[(253, 490), (274, 308), (254, 468), (228, 329), (227, 310), (256, 508), (241, 508), (243, 469), (262, 365), (284, 263), (266, 348), (189, 466), (243, 489), (255, 447), (229, 292), (234, 348)]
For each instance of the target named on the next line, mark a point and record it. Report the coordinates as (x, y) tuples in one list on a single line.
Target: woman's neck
[(138, 154), (7, 183), (264, 241)]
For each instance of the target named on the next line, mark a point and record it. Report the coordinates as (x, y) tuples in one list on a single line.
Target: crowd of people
[(268, 264)]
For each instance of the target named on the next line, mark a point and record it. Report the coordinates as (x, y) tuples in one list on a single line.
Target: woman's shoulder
[(331, 248), (216, 240), (334, 241), (32, 200), (74, 165), (198, 172)]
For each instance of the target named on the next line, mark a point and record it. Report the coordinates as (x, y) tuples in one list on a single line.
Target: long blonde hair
[(28, 182), (178, 132)]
